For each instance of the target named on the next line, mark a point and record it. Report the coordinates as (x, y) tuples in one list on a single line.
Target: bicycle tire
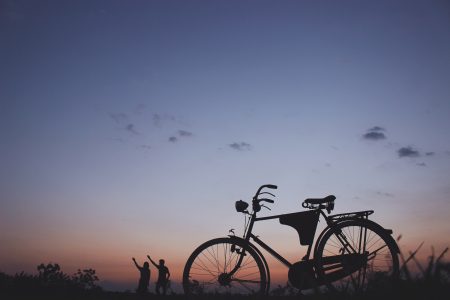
[(361, 265), (261, 256), (207, 267)]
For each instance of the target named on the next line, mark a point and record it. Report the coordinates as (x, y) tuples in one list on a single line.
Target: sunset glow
[(131, 129)]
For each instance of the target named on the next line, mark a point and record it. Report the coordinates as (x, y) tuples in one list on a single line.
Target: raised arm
[(137, 266), (151, 260)]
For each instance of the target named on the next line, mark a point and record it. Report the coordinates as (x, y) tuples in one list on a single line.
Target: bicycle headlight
[(241, 206)]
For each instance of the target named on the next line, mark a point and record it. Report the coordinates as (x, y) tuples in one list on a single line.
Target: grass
[(430, 281)]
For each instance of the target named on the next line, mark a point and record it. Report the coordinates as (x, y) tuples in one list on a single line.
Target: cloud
[(384, 194), (181, 133), (422, 164), (377, 128), (375, 133), (408, 152), (119, 118), (145, 147), (429, 153), (242, 146), (131, 129), (184, 133), (159, 119)]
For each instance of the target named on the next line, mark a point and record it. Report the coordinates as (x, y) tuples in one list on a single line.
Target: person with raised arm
[(144, 280), (163, 276)]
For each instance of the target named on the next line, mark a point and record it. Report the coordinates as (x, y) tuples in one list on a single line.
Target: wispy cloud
[(408, 152), (180, 133), (375, 133), (119, 118), (242, 146), (145, 147), (384, 194), (377, 128), (374, 136), (184, 133), (422, 164), (160, 119), (134, 123), (429, 153), (131, 129)]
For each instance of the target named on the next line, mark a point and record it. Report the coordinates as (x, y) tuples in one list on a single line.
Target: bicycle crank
[(302, 276)]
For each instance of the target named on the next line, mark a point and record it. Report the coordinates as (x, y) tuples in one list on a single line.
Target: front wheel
[(224, 266), (356, 255)]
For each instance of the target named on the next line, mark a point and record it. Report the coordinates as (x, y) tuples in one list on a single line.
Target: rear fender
[(388, 232)]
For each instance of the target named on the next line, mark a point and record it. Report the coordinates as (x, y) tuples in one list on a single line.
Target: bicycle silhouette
[(348, 253)]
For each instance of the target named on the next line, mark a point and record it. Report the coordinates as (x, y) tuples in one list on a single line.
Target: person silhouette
[(144, 280), (163, 276)]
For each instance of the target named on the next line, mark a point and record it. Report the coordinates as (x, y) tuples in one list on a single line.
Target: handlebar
[(267, 193), (266, 200), (269, 186), (256, 202)]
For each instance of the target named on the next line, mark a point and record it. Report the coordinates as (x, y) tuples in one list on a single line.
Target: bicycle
[(348, 253)]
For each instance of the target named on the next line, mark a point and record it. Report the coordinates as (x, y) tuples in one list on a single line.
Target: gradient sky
[(130, 127)]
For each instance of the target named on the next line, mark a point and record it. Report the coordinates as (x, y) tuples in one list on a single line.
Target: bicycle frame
[(341, 251), (330, 220)]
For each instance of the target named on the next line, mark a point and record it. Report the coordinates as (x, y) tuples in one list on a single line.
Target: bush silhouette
[(431, 281), (85, 279), (50, 280)]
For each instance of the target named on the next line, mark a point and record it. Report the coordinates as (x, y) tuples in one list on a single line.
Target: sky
[(130, 127)]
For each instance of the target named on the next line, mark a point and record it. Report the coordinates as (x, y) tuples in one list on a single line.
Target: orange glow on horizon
[(117, 267)]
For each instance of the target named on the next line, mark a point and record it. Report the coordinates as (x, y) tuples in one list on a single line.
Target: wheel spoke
[(246, 280), (212, 263), (208, 269), (352, 273), (375, 252), (245, 286)]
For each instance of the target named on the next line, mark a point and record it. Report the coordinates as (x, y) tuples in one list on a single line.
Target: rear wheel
[(224, 266), (356, 255)]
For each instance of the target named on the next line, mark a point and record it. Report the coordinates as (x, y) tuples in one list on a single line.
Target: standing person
[(163, 276), (144, 280)]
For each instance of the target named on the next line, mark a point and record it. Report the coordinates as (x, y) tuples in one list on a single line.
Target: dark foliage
[(430, 282), (49, 282)]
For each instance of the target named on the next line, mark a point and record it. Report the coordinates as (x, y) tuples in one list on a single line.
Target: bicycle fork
[(241, 253)]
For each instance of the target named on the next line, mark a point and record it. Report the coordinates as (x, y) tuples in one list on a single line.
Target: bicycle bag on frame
[(305, 222)]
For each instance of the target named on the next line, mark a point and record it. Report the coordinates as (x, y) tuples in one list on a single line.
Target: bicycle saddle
[(327, 199)]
